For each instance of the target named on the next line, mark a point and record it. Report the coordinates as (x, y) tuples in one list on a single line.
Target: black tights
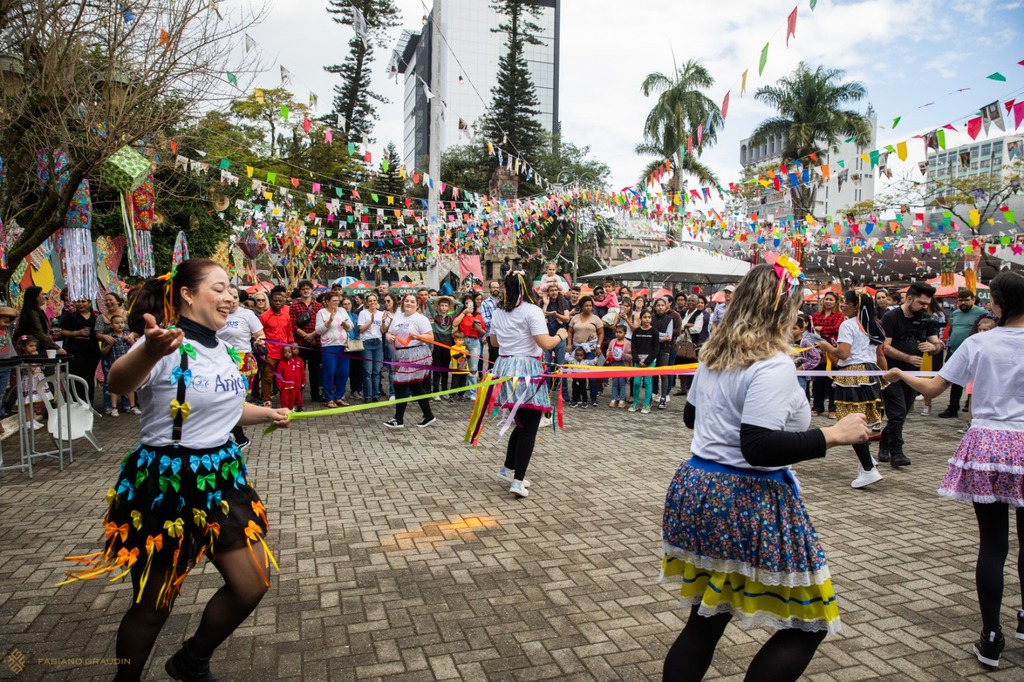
[(863, 451), (783, 657), (230, 605), (520, 443), (993, 546), (406, 390)]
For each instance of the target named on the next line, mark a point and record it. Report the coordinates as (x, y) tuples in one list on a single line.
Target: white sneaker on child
[(115, 413), (510, 475)]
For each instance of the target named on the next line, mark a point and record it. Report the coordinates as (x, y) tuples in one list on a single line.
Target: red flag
[(165, 38), (689, 144), (1009, 105), (725, 106), (791, 26), (974, 127), (174, 147)]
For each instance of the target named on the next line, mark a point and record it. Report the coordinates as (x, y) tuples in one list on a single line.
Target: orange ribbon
[(113, 529)]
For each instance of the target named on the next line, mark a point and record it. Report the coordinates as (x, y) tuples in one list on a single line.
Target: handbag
[(686, 350), (354, 345), (303, 319)]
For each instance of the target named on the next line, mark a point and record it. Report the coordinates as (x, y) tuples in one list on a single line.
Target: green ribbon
[(230, 468), (140, 476), (173, 481), (204, 480), (235, 356), (188, 349), (292, 416)]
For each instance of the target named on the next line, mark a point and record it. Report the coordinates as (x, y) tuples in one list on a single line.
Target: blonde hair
[(756, 325)]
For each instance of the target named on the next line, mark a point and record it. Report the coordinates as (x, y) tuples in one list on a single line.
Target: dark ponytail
[(517, 290), (866, 316), (161, 296)]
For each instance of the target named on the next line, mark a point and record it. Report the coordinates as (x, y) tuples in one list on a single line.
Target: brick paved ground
[(403, 558)]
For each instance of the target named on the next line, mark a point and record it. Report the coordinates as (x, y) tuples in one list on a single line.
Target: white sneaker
[(632, 408), (866, 478), (37, 424), (926, 411), (115, 413), (437, 398), (390, 398), (510, 476), (518, 489), (668, 398), (646, 409), (135, 410)]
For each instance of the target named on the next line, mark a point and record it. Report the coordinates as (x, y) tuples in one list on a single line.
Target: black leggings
[(823, 388), (406, 390), (863, 451), (521, 442), (993, 546), (782, 658)]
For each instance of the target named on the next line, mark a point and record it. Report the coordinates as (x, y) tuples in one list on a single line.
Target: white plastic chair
[(82, 413)]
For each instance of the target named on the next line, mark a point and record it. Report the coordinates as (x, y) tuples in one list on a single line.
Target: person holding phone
[(471, 323)]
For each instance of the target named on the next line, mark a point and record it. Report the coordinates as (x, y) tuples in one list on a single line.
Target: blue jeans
[(618, 385), (556, 356), (334, 371), (389, 356), (107, 363), (473, 346), (373, 356)]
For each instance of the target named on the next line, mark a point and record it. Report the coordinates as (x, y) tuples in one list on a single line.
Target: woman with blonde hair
[(735, 530)]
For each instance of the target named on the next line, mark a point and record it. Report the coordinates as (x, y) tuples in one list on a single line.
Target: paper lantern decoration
[(126, 169), (180, 248), (143, 206), (79, 259)]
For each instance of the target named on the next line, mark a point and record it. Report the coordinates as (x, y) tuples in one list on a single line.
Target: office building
[(472, 60), (980, 158)]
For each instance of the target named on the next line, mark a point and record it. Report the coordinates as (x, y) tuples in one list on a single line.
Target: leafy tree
[(512, 119), (678, 114), (810, 117), (263, 109), (353, 98)]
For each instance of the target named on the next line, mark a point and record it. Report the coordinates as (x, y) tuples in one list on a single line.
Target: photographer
[(910, 332)]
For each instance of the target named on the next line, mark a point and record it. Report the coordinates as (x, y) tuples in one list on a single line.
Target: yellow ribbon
[(199, 517), (175, 528), (137, 519), (177, 407)]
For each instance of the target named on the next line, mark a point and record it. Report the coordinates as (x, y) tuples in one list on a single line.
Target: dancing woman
[(519, 329), (987, 469), (735, 530), (859, 348), (184, 491)]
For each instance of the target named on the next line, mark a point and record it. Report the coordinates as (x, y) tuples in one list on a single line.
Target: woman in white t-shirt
[(184, 491), (519, 329), (333, 326), (987, 468), (734, 529), (411, 333), (241, 330), (859, 348), (370, 320)]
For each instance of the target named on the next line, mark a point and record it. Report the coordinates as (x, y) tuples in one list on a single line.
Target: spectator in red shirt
[(826, 325), (303, 310), (277, 325)]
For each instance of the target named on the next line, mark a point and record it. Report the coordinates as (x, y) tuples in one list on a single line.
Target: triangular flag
[(725, 106), (232, 78), (997, 77), (284, 112), (974, 127), (165, 38), (250, 44), (743, 84), (813, 3), (257, 95), (896, 121), (901, 150), (764, 59), (306, 124), (313, 100), (1018, 114), (791, 25), (286, 76)]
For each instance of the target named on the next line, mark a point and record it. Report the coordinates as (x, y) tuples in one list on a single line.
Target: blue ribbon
[(157, 501), (125, 486), (146, 458), (205, 460), (213, 500), (178, 373), (167, 463)]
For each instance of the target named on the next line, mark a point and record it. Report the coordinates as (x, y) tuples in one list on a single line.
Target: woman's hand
[(160, 341), (893, 375), (850, 430), (278, 417)]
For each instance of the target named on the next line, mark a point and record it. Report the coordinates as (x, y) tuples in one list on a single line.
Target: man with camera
[(909, 334)]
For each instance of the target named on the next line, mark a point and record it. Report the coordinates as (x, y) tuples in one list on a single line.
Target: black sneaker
[(883, 453), (584, 405), (1020, 625), (426, 422), (394, 424), (185, 666), (244, 444), (948, 414), (662, 405), (899, 460), (989, 647)]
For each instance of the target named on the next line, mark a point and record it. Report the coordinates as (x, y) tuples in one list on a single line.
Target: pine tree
[(353, 99), (512, 119), (388, 180)]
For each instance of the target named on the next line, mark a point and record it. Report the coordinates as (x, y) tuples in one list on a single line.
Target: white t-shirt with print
[(239, 329), (215, 399), (765, 394), (373, 331), (515, 330), (861, 350), (404, 326), (992, 360)]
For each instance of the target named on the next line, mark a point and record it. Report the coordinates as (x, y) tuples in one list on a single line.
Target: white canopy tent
[(683, 264)]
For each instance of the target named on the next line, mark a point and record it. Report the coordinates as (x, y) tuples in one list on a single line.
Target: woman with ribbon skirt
[(184, 491)]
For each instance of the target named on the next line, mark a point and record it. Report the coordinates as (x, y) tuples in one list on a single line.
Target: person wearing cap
[(7, 317), (719, 312), (441, 311)]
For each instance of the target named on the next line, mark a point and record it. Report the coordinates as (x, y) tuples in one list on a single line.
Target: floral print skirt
[(740, 542), (987, 467)]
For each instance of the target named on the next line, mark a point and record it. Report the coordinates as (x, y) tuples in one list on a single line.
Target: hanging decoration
[(79, 259), (180, 248), (126, 170)]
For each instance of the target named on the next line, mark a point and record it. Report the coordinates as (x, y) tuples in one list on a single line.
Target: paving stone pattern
[(404, 558)]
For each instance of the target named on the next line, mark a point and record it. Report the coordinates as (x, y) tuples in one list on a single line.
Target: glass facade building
[(471, 62)]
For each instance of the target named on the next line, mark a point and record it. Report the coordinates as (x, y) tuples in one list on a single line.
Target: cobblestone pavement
[(404, 558)]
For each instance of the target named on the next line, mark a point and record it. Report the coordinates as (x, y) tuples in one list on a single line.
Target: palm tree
[(680, 109), (811, 119)]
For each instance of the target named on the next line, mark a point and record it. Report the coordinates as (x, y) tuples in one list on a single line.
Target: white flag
[(359, 24), (286, 76), (250, 44)]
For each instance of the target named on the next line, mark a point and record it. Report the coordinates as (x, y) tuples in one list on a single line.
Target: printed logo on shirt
[(219, 384)]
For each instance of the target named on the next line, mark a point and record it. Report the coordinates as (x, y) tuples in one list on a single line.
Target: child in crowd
[(28, 345), (645, 345), (441, 315), (803, 337), (579, 386), (293, 378), (619, 355), (459, 362), (111, 352)]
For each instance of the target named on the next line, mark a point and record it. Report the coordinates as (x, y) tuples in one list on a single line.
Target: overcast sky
[(908, 53)]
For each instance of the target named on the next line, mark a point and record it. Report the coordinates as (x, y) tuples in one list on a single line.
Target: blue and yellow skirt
[(740, 541)]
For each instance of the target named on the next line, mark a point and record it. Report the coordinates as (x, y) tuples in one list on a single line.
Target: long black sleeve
[(763, 447)]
